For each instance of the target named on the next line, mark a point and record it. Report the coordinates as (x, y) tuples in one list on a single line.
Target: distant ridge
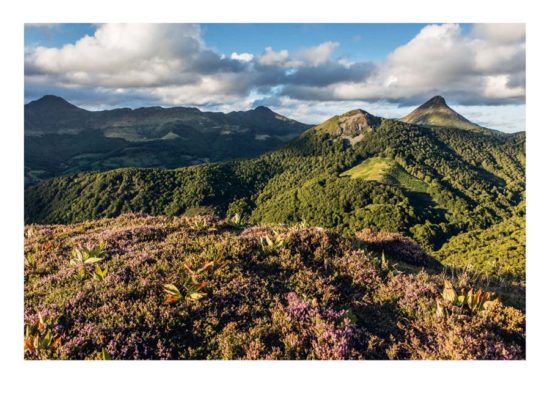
[(436, 112), (61, 137)]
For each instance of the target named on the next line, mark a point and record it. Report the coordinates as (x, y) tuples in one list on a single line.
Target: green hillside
[(462, 191), (432, 184), (385, 170), (496, 251), (436, 112)]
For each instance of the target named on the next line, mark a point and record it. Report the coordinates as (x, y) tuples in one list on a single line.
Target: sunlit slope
[(385, 170)]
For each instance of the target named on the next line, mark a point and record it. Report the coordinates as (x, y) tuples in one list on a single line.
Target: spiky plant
[(270, 244), (40, 339), (473, 300), (30, 262), (88, 255), (99, 274)]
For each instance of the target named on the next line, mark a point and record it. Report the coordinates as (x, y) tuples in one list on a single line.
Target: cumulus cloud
[(133, 56), (483, 67), (318, 55), (273, 58), (501, 33), (242, 56)]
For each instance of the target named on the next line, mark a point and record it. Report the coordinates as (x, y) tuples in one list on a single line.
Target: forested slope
[(445, 182)]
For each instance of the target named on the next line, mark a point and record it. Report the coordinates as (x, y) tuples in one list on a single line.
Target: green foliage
[(99, 274), (385, 170), (30, 261), (238, 211), (236, 220), (196, 280), (272, 244), (103, 355), (430, 235), (341, 203), (473, 300), (285, 186), (384, 262), (83, 256), (498, 251), (41, 341), (200, 223), (173, 294), (81, 273), (88, 255)]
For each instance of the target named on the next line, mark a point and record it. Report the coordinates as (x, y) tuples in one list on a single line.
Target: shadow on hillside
[(397, 247), (424, 206)]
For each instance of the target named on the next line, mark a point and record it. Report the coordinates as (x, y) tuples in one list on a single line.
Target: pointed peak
[(51, 98), (262, 108), (436, 101), (51, 101), (355, 112), (436, 112)]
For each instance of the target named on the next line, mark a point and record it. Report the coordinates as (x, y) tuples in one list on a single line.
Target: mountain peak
[(50, 98), (262, 108), (350, 125), (50, 101), (435, 102), (356, 112), (436, 112)]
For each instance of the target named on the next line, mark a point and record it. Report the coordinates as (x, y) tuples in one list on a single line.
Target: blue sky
[(305, 71), (371, 41), (358, 41), (56, 35)]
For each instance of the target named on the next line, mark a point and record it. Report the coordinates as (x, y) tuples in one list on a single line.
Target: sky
[(308, 72)]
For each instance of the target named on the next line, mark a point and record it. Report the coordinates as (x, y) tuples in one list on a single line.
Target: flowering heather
[(314, 295)]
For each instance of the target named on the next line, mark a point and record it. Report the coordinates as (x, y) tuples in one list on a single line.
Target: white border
[(278, 376)]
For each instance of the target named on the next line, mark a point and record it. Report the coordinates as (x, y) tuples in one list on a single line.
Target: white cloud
[(501, 33), (498, 87), (318, 55), (441, 59), (116, 49), (155, 56), (273, 58), (246, 57), (306, 57)]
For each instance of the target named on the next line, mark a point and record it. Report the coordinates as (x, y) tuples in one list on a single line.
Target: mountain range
[(63, 138), (354, 170)]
